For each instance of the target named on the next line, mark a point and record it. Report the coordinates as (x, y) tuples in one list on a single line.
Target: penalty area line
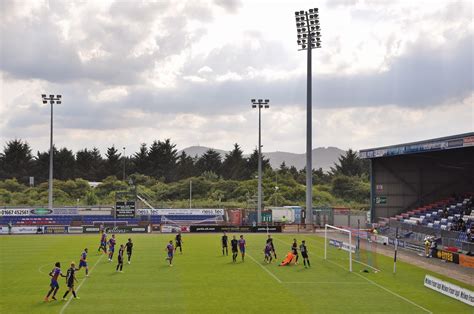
[(269, 272), (383, 288), (80, 285)]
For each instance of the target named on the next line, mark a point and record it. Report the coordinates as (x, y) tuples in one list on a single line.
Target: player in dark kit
[(120, 258), (242, 245), (294, 250), (179, 242), (304, 254), (55, 273), (170, 250), (224, 244), (129, 247), (235, 251), (70, 278), (270, 240)]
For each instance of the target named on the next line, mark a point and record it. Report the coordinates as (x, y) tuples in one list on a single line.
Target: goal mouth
[(339, 238), (353, 245)]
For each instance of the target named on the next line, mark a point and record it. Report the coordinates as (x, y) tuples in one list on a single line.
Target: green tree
[(252, 164), (162, 157), (185, 167), (113, 164), (64, 164), (89, 164), (210, 161), (234, 165), (140, 160), (350, 188), (16, 160), (350, 165)]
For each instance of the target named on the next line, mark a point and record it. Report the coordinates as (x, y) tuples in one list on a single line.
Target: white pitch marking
[(269, 272), (374, 283), (326, 282), (79, 287)]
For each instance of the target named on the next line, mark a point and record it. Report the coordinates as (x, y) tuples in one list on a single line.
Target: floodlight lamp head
[(51, 96), (260, 101), (254, 106), (267, 106), (253, 100), (45, 102), (267, 100), (43, 95), (297, 13), (58, 96), (58, 102), (301, 12)]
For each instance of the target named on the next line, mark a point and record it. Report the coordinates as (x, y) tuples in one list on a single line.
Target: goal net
[(351, 245), (338, 244), (366, 249)]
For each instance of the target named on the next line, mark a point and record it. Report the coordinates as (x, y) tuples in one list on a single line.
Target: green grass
[(203, 281)]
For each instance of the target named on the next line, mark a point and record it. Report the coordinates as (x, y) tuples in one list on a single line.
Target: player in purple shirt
[(170, 250), (111, 247), (55, 273), (83, 262), (268, 253), (103, 243), (242, 246)]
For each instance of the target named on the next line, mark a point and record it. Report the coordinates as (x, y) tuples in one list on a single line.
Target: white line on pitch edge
[(374, 283), (383, 288), (327, 282), (269, 272), (79, 287)]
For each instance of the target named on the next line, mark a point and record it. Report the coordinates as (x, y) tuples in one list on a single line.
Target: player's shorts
[(54, 284), (178, 244), (70, 284), (103, 244), (295, 253), (269, 254), (305, 255), (235, 250), (242, 250), (82, 264), (224, 244), (170, 254), (129, 253), (120, 260), (111, 249)]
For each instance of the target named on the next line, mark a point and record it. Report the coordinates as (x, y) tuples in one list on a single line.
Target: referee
[(129, 247)]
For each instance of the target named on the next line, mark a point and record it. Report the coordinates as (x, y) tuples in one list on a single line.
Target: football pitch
[(203, 281)]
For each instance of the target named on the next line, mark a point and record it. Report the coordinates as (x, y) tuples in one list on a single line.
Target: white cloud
[(131, 72)]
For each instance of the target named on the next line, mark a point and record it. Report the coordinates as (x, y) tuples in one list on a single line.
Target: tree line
[(165, 174), (160, 160)]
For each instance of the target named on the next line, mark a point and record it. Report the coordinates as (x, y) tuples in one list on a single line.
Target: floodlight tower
[(52, 100), (260, 103), (309, 38)]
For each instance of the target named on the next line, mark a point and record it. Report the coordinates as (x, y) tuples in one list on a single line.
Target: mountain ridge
[(323, 157)]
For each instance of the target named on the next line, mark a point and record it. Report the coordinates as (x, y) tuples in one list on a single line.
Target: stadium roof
[(436, 144)]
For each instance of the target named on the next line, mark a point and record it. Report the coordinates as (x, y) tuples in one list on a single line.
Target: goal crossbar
[(326, 227)]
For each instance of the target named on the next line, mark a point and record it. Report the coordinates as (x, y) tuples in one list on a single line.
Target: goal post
[(336, 237)]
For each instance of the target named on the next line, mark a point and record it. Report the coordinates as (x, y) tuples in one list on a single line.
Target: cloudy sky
[(131, 72)]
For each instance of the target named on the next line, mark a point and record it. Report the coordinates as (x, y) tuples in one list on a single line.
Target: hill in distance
[(323, 157)]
